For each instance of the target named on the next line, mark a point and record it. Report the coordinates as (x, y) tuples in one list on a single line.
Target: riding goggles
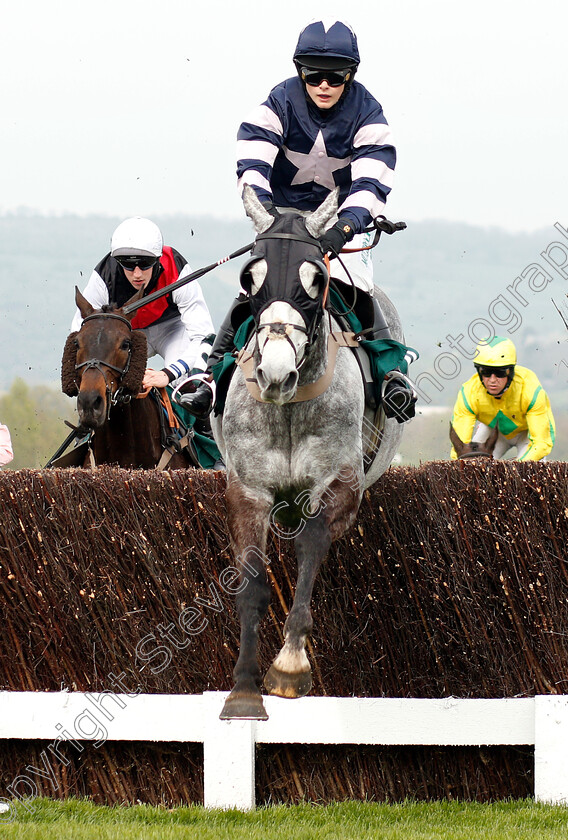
[(500, 373), (334, 78), (130, 262)]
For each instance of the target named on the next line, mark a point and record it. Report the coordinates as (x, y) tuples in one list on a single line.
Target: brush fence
[(452, 584), (229, 746)]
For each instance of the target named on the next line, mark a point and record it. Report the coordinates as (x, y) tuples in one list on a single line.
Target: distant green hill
[(445, 279)]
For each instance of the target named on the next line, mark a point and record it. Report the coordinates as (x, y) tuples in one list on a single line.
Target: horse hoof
[(243, 706), (283, 684)]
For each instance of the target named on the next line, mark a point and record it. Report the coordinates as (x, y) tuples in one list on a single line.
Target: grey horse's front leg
[(248, 518), (290, 673)]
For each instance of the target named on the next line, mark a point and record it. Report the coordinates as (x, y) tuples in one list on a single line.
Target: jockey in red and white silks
[(177, 326)]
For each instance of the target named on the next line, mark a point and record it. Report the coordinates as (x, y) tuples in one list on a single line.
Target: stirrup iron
[(201, 379)]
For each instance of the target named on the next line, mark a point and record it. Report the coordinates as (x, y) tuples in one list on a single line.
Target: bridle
[(280, 328), (479, 453), (116, 397), (284, 328)]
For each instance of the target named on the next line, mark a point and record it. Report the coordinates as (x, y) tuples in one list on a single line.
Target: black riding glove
[(335, 238)]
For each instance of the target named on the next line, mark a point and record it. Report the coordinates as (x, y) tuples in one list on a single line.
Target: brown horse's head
[(103, 362), (474, 449)]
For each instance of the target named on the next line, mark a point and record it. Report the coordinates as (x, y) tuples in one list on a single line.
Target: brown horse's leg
[(290, 673), (248, 527)]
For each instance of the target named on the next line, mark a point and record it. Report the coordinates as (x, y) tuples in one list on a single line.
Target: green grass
[(77, 820)]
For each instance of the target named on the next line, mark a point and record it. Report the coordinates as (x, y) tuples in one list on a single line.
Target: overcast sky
[(131, 107)]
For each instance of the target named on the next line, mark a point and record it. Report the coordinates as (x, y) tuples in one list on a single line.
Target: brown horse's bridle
[(117, 397), (477, 454)]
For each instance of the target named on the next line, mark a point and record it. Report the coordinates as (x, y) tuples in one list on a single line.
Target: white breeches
[(169, 339), (521, 441)]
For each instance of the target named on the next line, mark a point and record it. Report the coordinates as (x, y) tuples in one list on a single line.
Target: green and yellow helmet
[(498, 353)]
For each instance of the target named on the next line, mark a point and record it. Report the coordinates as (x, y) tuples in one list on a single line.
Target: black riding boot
[(198, 398), (398, 397)]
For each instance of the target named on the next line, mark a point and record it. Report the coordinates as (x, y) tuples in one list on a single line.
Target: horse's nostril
[(290, 381), (261, 378), (89, 402)]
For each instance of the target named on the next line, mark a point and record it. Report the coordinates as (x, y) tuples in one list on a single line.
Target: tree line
[(35, 416)]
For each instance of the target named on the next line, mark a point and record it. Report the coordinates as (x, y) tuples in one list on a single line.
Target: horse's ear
[(492, 440), (132, 382), (83, 304), (68, 377), (457, 442), (316, 222), (135, 297), (258, 214)]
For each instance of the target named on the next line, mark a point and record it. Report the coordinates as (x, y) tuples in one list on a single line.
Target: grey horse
[(295, 454)]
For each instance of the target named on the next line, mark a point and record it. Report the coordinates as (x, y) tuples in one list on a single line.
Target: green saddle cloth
[(223, 370), (205, 447), (384, 354)]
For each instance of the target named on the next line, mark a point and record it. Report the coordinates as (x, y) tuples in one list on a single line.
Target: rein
[(380, 225), (133, 307)]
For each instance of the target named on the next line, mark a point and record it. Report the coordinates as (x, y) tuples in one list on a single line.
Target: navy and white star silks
[(317, 165), (293, 153)]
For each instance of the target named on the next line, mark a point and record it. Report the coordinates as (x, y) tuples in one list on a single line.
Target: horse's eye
[(312, 279), (126, 344), (253, 276)]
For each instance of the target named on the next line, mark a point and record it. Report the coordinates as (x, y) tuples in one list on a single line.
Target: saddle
[(178, 434), (174, 437)]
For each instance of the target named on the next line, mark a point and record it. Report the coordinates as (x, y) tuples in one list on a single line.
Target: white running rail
[(64, 719)]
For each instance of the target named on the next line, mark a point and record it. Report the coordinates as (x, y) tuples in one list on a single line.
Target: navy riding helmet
[(327, 44)]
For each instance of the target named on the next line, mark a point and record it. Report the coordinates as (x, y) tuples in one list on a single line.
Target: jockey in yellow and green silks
[(504, 394)]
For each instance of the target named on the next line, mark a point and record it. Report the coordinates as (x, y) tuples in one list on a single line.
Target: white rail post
[(551, 749), (228, 758)]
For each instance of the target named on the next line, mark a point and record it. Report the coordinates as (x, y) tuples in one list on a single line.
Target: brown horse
[(474, 449), (103, 366)]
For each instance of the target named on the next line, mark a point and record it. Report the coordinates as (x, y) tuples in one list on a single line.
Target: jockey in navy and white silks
[(315, 132), (293, 153), (177, 326)]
